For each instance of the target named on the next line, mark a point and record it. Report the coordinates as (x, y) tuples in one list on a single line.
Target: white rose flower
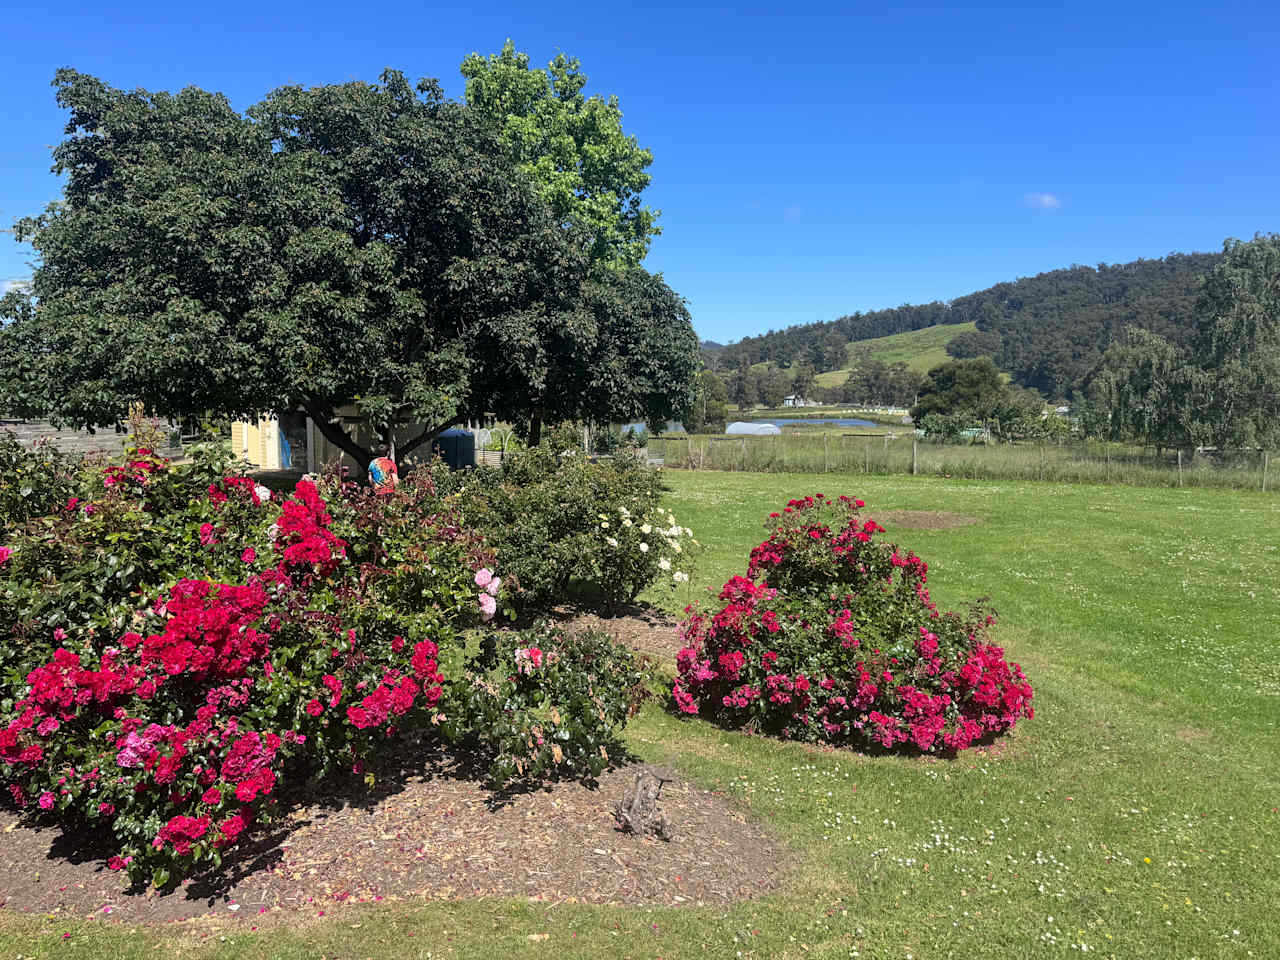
[(644, 548), (626, 523), (262, 492), (646, 529), (604, 524), (676, 548), (664, 564), (679, 576), (611, 541), (688, 532)]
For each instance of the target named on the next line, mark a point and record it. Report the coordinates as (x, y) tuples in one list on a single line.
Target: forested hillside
[(1046, 331)]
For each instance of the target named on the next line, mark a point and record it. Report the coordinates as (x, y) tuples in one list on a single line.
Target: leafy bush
[(179, 646), (547, 701), (33, 482), (832, 636), (565, 527)]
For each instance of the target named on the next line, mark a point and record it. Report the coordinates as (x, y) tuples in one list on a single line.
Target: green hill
[(918, 349)]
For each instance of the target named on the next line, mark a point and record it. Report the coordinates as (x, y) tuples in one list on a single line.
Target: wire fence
[(887, 454)]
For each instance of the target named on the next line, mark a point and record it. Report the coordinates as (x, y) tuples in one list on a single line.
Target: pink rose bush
[(832, 636)]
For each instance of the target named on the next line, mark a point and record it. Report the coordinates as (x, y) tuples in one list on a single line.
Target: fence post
[(1042, 463), (702, 454), (826, 457), (886, 453), (1266, 460), (1179, 466), (782, 443), (914, 442), (744, 454), (866, 457)]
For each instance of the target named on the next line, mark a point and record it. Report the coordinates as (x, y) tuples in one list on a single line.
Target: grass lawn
[(1135, 816)]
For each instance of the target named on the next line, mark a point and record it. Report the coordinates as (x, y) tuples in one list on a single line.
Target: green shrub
[(567, 528), (548, 702), (35, 482)]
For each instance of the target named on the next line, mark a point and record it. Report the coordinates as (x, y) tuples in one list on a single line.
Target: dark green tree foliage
[(352, 243), (710, 406), (972, 388), (974, 343), (1047, 331), (1141, 391), (872, 382), (802, 379), (774, 387), (1054, 327), (745, 386), (640, 359), (1237, 346)]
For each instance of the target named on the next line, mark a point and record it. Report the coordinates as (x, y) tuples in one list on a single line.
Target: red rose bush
[(832, 636), (181, 643)]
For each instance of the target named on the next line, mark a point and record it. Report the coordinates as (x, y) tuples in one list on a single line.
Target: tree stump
[(637, 812)]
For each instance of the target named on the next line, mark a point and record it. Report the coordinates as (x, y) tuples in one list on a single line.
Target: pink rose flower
[(483, 576), (46, 801), (488, 607)]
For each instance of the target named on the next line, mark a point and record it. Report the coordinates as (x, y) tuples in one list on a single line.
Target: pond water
[(834, 421)]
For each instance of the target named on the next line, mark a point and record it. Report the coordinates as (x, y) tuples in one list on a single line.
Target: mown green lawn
[(1135, 816)]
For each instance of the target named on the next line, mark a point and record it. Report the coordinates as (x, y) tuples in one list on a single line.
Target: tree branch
[(332, 431)]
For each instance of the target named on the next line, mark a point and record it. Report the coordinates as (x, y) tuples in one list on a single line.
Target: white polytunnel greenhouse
[(753, 429)]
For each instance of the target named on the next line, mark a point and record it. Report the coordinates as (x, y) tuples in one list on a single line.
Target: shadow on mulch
[(428, 828)]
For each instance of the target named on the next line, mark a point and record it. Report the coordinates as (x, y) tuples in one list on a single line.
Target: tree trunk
[(535, 429), (332, 431)]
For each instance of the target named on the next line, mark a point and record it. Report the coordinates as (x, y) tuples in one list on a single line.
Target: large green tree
[(972, 388), (571, 145), (1237, 346), (1142, 390), (357, 243)]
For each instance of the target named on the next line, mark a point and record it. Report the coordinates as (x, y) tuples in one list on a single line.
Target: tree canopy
[(354, 243), (572, 147), (1237, 346), (973, 389)]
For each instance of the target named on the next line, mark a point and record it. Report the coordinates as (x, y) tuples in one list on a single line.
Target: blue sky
[(810, 160)]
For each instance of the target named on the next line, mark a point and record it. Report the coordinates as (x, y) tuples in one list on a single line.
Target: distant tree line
[(1048, 331)]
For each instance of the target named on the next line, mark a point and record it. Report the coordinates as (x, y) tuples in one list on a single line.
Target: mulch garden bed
[(431, 832)]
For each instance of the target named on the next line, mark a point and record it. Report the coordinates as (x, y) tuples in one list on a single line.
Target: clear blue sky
[(811, 160)]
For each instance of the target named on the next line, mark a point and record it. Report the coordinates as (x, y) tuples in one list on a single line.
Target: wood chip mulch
[(642, 628), (433, 833)]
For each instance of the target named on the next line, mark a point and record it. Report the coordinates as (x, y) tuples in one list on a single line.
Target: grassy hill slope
[(919, 349)]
